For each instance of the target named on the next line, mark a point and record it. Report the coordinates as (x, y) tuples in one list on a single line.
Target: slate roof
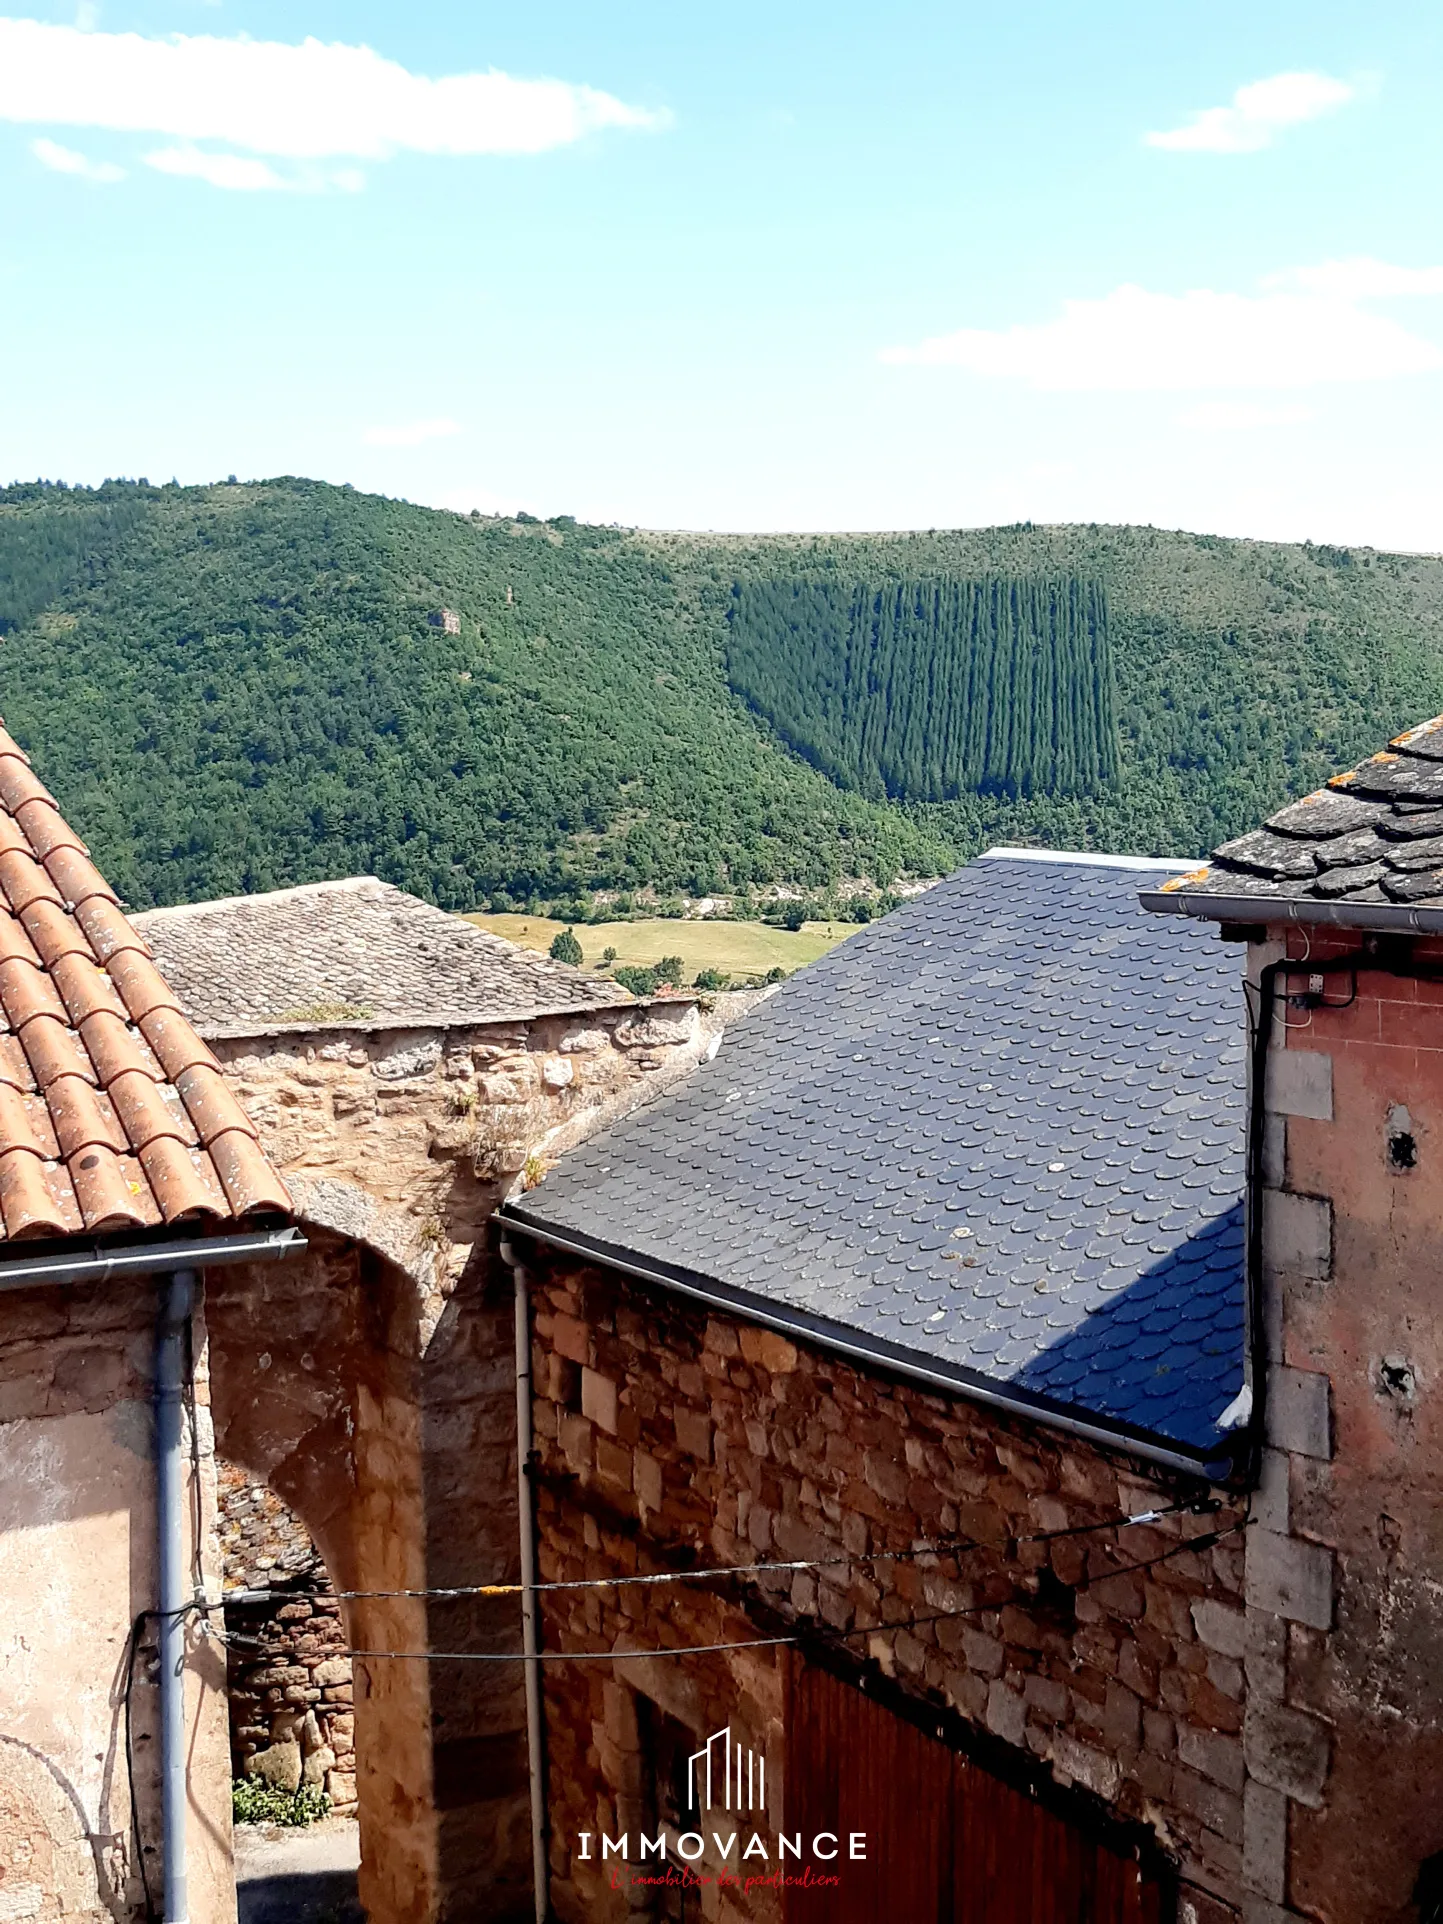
[(114, 1115), (997, 1135), (353, 954), (1366, 850)]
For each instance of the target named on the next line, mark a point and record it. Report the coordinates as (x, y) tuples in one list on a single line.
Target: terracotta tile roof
[(1363, 848), (357, 954), (114, 1115)]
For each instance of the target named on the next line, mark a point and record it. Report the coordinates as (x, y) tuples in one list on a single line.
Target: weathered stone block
[(1093, 1769), (1265, 1841), (1297, 1234), (317, 1765), (598, 1400), (1219, 1626), (1006, 1711), (646, 1479), (1270, 1499), (1287, 1750), (335, 1670), (1297, 1411), (1212, 1754), (693, 1433), (279, 1765), (768, 1349), (1290, 1578), (1300, 1083)]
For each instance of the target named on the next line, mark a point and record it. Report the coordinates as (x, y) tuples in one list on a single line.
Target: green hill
[(241, 687)]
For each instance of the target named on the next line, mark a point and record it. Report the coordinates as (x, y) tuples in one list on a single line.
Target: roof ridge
[(354, 882)]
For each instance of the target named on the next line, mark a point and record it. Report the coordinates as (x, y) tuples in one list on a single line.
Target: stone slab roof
[(1366, 850), (114, 1115), (998, 1135), (353, 954)]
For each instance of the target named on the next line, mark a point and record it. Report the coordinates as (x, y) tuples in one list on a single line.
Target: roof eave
[(431, 1019), (1213, 1465), (1389, 918)]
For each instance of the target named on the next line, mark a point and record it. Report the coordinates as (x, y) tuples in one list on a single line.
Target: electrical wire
[(132, 1649), (944, 1547), (1203, 1542)]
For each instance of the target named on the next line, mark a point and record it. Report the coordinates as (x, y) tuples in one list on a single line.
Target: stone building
[(408, 1070), (1071, 1439)]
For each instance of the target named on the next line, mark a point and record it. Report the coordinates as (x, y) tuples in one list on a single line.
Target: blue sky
[(761, 266)]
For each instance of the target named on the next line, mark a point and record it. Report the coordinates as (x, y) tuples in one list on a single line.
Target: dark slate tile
[(891, 1094)]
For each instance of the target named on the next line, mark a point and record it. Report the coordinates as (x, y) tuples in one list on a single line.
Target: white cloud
[(243, 174), (305, 103), (1259, 112), (1360, 279), (411, 434), (238, 172), (1241, 417), (1133, 340), (65, 160)]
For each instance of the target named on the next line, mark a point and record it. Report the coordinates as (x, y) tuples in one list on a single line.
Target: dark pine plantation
[(929, 690)]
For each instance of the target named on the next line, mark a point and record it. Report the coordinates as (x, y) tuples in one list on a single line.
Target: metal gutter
[(149, 1259), (856, 1348), (1386, 918), (530, 1576), (171, 1377)]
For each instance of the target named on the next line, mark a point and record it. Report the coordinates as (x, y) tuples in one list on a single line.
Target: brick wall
[(288, 1680), (667, 1435)]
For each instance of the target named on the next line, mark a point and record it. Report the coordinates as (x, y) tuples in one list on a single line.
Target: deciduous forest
[(241, 687)]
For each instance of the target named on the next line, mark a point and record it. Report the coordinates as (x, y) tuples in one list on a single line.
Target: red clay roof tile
[(54, 933), (85, 988), (183, 1183), (106, 1091), (15, 944), (210, 1104), (17, 1128), (26, 1202), (250, 1182), (114, 1047), (177, 1046), (27, 992), (108, 1198), (14, 1067), (83, 1118), (143, 988), (19, 783), (107, 930), (46, 829), (144, 1113), (77, 878), (24, 880), (53, 1049)]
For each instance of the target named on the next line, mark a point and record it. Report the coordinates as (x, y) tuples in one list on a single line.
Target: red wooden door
[(947, 1842)]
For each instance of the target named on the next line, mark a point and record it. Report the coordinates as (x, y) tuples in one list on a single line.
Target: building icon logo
[(726, 1775)]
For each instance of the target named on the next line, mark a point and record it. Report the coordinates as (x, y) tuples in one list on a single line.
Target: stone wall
[(667, 1435), (1344, 1737), (77, 1569), (408, 1138), (288, 1676)]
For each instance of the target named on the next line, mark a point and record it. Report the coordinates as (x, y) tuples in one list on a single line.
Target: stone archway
[(380, 1408)]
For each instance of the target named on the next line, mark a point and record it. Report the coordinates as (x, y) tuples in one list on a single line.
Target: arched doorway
[(382, 1413)]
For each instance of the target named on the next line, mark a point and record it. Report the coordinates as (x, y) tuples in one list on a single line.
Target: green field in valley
[(735, 948)]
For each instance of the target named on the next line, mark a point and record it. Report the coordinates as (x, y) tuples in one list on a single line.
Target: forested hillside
[(930, 690), (240, 687)]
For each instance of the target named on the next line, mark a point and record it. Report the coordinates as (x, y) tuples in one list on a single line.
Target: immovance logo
[(726, 1776)]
